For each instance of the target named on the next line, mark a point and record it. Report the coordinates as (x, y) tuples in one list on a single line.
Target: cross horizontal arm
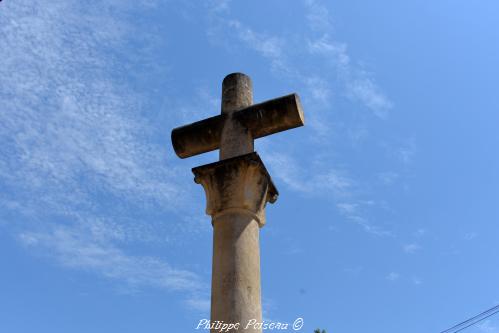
[(273, 116), (261, 119), (199, 137)]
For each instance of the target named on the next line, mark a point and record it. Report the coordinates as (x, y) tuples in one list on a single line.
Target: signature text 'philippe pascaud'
[(221, 326)]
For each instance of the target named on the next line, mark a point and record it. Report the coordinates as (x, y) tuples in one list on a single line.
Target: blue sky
[(388, 215)]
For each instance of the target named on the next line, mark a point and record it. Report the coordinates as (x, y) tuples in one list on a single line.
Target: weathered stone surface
[(235, 281), (260, 120), (239, 184), (237, 93), (199, 137), (237, 189)]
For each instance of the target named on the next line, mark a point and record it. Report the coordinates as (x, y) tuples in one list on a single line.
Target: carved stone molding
[(237, 185)]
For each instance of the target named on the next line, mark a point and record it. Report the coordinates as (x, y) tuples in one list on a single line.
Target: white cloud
[(392, 276), (319, 89), (407, 152), (318, 16), (336, 184), (411, 248), (359, 85), (218, 6), (287, 170), (353, 212), (74, 142), (336, 181), (368, 226), (354, 270), (335, 51), (487, 327), (201, 105), (79, 249), (223, 28), (201, 304), (404, 151), (347, 208), (417, 281), (421, 232), (388, 178), (470, 236), (269, 47), (65, 119), (363, 89), (73, 132)]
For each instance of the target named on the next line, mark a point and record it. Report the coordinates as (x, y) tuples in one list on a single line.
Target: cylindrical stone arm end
[(197, 138), (272, 116)]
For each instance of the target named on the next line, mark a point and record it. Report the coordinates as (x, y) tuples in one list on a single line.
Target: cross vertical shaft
[(235, 288), (237, 93)]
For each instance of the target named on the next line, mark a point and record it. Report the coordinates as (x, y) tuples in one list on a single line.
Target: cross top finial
[(237, 92)]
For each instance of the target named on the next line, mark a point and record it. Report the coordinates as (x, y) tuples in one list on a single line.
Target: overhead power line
[(473, 320)]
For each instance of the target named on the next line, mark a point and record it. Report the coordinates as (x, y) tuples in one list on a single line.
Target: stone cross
[(237, 189)]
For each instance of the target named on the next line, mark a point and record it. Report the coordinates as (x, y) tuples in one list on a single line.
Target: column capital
[(239, 184)]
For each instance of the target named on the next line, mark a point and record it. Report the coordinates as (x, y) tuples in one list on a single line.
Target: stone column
[(237, 190)]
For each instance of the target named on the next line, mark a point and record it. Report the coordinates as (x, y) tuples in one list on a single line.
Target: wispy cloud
[(470, 236), (319, 89), (318, 16), (354, 270), (218, 6), (347, 208), (72, 133), (411, 248), (335, 68), (417, 280), (421, 232), (65, 118), (369, 227), (488, 327), (392, 276), (406, 152), (199, 303), (74, 142), (199, 106), (77, 248), (268, 46), (334, 181), (325, 46), (388, 178), (229, 32), (337, 184), (359, 85), (352, 212), (336, 64)]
